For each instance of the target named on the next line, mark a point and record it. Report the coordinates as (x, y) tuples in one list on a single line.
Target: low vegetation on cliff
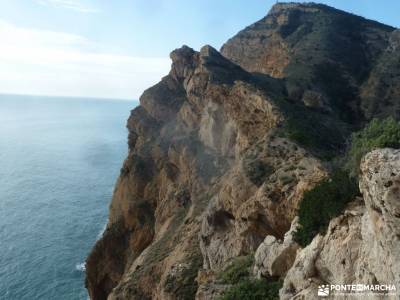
[(253, 289), (321, 204), (377, 134), (329, 198), (239, 269), (243, 286)]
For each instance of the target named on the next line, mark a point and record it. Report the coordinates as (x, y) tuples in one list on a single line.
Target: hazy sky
[(117, 48)]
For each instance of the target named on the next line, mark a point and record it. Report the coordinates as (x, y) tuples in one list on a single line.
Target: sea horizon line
[(77, 97)]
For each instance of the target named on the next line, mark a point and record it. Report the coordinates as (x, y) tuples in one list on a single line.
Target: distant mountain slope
[(315, 48), (380, 93)]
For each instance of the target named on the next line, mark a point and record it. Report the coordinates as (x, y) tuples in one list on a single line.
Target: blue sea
[(59, 160)]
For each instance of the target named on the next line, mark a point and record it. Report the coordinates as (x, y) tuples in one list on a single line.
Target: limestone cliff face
[(223, 148), (206, 179), (361, 246)]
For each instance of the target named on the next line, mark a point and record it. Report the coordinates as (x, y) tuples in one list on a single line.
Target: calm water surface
[(59, 159)]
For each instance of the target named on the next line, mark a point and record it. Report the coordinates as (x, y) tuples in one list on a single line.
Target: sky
[(118, 48)]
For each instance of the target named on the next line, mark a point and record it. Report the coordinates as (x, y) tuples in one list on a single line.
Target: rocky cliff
[(360, 246), (223, 148)]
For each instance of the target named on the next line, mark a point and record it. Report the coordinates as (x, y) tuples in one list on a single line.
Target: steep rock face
[(203, 139), (361, 246), (223, 148)]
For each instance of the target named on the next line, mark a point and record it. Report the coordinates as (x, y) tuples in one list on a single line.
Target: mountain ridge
[(223, 148)]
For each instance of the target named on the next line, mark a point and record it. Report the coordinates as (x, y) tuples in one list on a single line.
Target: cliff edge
[(223, 148)]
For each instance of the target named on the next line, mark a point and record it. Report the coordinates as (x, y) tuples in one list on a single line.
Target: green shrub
[(377, 134), (324, 202), (239, 269), (257, 289)]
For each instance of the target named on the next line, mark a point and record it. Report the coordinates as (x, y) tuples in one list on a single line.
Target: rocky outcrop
[(273, 257), (223, 148), (380, 186), (361, 246)]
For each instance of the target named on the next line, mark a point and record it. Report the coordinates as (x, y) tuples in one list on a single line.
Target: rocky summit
[(223, 150)]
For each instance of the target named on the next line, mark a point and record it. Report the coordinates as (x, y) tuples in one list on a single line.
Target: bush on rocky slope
[(253, 289), (324, 202), (377, 134), (237, 270), (243, 285)]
